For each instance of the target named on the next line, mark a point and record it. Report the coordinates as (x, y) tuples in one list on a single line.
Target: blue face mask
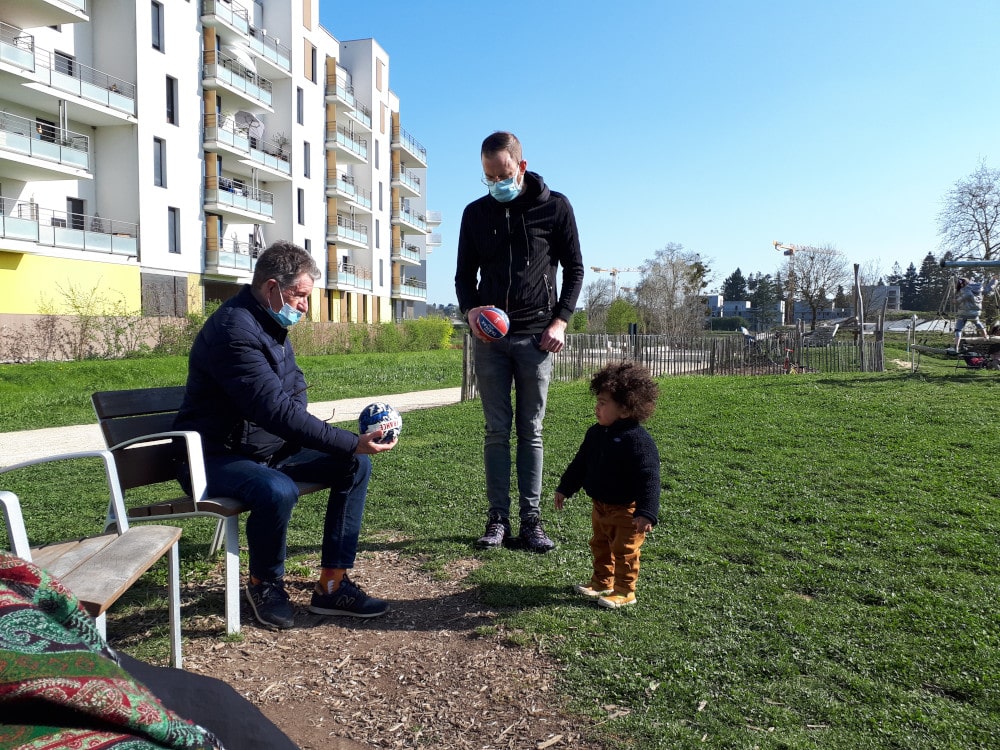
[(287, 316), (505, 190)]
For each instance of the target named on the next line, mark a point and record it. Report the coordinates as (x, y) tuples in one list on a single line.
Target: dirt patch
[(436, 671)]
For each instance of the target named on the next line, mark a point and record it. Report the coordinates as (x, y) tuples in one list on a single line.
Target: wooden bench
[(137, 426), (100, 569)]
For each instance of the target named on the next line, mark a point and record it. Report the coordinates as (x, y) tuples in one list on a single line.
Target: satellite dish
[(241, 54), (248, 121)]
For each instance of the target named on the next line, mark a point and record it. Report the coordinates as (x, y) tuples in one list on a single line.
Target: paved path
[(28, 444)]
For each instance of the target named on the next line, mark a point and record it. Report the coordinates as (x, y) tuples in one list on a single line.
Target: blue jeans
[(271, 494), (513, 361)]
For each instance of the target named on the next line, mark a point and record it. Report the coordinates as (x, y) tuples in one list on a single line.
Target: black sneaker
[(497, 533), (533, 537), (349, 600), (270, 604)]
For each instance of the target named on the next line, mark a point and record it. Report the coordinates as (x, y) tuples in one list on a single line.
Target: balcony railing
[(411, 288), (346, 187), (44, 141), (229, 11), (239, 195), (408, 252), (409, 179), (231, 253), (28, 222), (411, 218), (349, 141), (270, 48), (352, 230), (362, 114), (409, 143), (348, 274), (270, 152), (236, 74)]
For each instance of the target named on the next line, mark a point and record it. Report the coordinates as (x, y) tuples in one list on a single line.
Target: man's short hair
[(284, 262), (502, 141)]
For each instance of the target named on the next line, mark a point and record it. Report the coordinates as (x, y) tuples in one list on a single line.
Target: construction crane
[(614, 277), (790, 250)]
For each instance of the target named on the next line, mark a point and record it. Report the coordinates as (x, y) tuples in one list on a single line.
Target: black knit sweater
[(617, 465)]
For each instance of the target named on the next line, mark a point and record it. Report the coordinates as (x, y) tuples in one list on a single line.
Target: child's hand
[(560, 500), (641, 524)]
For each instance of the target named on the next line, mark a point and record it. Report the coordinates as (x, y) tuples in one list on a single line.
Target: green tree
[(735, 287), (621, 313)]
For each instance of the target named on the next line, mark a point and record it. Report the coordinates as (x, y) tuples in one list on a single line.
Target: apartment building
[(149, 150)]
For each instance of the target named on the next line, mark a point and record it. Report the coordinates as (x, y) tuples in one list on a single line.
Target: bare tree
[(596, 300), (817, 271), (968, 222), (669, 294)]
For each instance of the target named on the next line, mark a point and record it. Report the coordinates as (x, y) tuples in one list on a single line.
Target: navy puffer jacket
[(246, 394)]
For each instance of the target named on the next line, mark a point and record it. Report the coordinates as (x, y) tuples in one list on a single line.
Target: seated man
[(246, 396)]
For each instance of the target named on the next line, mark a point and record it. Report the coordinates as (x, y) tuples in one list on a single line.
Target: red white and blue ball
[(379, 415), (493, 322)]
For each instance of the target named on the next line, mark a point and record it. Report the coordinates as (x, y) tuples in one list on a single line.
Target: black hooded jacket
[(245, 393), (508, 253)]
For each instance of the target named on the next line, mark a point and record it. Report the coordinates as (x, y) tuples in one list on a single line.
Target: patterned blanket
[(60, 683)]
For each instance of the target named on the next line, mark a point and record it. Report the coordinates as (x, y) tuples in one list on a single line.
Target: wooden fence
[(768, 354)]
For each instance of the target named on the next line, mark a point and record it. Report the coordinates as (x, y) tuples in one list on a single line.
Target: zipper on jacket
[(510, 259)]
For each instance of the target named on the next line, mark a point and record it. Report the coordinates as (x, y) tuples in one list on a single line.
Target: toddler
[(619, 468)]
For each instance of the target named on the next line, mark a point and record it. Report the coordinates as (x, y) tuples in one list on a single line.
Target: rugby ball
[(493, 322), (379, 415)]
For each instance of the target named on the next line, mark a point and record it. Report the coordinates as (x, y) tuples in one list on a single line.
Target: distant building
[(150, 151)]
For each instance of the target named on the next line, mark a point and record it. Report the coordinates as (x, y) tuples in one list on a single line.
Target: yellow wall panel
[(36, 284)]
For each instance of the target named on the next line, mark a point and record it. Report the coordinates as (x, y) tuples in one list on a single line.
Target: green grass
[(52, 394), (824, 574)]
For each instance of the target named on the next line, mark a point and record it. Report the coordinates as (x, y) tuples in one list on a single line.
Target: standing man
[(509, 246), (246, 396)]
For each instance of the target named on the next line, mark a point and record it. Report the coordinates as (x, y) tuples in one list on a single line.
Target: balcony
[(338, 90), (236, 199), (230, 257), (410, 289), (349, 146), (270, 154), (37, 13), (433, 240), (105, 99), (407, 255), (232, 21), (343, 187), (407, 182), (229, 74), (433, 218), (409, 222), (31, 150), (350, 277), (347, 231), (407, 145), (362, 115), (26, 221)]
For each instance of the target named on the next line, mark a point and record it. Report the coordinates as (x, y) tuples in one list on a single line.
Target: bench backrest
[(125, 415)]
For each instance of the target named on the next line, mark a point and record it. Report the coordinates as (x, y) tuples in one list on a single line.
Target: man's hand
[(554, 337), (473, 320), (368, 446)]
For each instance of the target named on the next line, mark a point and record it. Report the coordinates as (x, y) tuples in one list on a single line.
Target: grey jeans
[(513, 362)]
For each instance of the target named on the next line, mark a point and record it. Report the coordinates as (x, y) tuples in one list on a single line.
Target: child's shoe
[(591, 593), (616, 601)]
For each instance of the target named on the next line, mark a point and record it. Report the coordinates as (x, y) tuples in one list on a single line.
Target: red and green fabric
[(60, 683)]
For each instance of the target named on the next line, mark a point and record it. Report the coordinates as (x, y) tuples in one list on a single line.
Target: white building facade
[(150, 150)]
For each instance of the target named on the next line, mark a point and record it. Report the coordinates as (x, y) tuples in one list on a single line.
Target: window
[(173, 230), (309, 60), (379, 67), (172, 116), (308, 246), (300, 106), (378, 244), (45, 130), (74, 210), (159, 162), (157, 28), (305, 159), (380, 196), (376, 153), (302, 206), (64, 63), (381, 272)]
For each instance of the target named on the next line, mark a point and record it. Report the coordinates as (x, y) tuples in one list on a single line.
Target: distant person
[(748, 338), (618, 466), (246, 396), (510, 244), (969, 305)]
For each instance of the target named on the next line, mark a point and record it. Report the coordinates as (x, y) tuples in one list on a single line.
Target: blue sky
[(722, 125)]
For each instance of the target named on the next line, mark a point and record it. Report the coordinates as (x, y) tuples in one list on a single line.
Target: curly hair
[(631, 387)]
